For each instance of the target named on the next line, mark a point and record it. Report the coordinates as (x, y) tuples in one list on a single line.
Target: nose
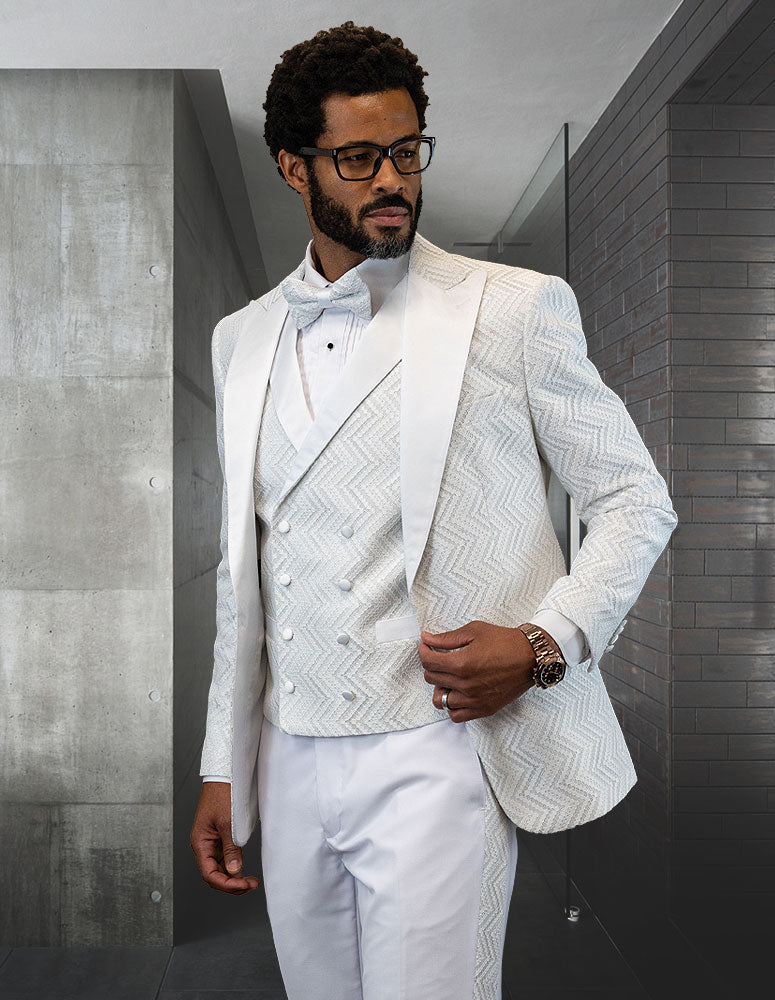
[(387, 177)]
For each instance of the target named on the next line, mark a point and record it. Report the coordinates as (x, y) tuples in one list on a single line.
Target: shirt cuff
[(568, 636), (220, 777)]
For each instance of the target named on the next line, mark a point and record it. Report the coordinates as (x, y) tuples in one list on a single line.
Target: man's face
[(347, 211)]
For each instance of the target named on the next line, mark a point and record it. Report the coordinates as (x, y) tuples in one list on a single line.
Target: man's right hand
[(218, 857)]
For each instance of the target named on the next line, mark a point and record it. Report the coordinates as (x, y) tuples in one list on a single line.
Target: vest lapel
[(377, 353), (288, 388)]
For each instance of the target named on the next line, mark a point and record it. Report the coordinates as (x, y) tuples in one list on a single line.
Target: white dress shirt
[(323, 348)]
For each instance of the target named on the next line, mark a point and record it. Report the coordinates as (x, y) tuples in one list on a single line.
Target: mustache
[(395, 202)]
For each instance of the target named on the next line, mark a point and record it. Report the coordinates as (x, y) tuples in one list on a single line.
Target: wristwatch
[(549, 667)]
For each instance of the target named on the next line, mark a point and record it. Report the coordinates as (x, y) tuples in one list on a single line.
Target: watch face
[(552, 672)]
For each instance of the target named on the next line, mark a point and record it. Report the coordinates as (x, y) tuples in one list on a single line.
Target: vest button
[(287, 633), (345, 585), (346, 530), (283, 526), (289, 686), (284, 579), (348, 695), (343, 638)]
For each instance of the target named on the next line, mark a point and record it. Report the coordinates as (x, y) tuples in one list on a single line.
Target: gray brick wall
[(722, 306), (672, 258)]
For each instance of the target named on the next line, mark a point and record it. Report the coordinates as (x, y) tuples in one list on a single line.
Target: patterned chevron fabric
[(353, 483), (530, 401)]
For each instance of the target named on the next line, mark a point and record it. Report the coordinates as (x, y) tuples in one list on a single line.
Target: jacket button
[(343, 638), (346, 530), (344, 585), (287, 633), (283, 526), (348, 695), (284, 579), (289, 686)]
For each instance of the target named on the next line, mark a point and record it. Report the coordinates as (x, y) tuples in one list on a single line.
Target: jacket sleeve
[(586, 435), (216, 751)]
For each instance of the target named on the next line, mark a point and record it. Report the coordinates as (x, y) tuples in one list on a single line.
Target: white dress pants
[(388, 864)]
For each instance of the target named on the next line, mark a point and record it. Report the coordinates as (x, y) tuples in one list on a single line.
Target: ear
[(294, 170)]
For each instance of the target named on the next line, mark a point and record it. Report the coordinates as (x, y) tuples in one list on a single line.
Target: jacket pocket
[(390, 629)]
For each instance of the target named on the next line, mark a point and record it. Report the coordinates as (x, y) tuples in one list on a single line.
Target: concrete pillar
[(116, 261)]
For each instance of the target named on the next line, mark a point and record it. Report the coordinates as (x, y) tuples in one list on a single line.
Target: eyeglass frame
[(384, 151)]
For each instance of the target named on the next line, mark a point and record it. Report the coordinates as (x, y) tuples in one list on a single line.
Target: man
[(387, 420)]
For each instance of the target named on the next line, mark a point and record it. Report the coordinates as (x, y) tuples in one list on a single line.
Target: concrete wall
[(109, 464), (210, 282)]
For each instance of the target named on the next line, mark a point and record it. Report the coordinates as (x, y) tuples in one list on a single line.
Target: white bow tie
[(306, 301)]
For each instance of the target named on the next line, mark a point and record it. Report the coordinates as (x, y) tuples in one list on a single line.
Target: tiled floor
[(546, 957)]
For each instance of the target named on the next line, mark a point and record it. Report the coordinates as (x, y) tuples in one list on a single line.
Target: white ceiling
[(499, 71)]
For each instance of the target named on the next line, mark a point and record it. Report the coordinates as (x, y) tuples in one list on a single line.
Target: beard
[(333, 219)]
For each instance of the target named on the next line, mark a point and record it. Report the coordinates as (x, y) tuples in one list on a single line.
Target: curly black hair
[(344, 60)]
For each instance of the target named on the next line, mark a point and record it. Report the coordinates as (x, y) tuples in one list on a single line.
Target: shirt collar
[(380, 276)]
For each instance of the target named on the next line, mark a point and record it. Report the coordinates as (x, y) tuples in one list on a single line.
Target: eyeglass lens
[(358, 161)]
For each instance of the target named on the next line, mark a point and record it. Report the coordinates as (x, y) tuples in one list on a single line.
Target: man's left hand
[(493, 668)]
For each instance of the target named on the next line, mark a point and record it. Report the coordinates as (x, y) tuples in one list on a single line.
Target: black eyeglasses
[(361, 161)]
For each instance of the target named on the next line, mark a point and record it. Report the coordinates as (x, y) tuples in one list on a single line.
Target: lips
[(388, 212)]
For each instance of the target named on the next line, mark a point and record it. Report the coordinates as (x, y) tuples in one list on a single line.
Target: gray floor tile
[(242, 959), (264, 994), (83, 973), (588, 958), (592, 994)]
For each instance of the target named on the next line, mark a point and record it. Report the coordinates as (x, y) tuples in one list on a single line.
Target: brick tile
[(684, 721), (710, 536), (691, 773), (735, 720), (698, 825), (700, 746), (699, 430), (746, 196), (709, 326), (709, 693), (758, 248), (762, 746), (753, 588), (720, 799), (695, 640), (687, 667), (742, 772), (733, 510), (738, 457), (761, 694), (737, 562), (757, 615), (757, 404), (749, 826), (743, 352), (750, 170), (737, 668), (753, 641), (756, 483), (704, 195), (750, 431), (704, 272)]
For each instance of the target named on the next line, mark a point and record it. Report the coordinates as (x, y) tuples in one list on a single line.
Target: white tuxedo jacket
[(513, 339)]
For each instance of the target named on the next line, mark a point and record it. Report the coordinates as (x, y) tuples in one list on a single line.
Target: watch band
[(549, 667)]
